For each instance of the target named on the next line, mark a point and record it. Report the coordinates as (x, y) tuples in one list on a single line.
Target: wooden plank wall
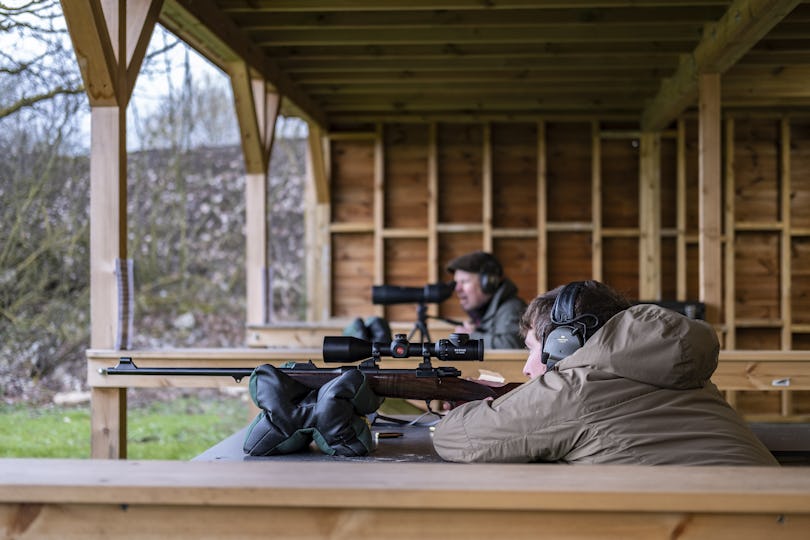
[(555, 201), (560, 200)]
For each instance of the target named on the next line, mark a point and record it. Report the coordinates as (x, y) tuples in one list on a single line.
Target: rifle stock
[(442, 384)]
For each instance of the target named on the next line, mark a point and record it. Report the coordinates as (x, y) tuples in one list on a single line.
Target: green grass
[(179, 429)]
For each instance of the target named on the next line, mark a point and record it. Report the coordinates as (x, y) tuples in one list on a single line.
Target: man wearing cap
[(490, 300)]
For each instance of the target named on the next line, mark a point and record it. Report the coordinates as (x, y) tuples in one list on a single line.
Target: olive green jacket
[(500, 324), (638, 392)]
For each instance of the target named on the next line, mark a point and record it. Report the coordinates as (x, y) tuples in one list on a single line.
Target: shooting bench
[(777, 373), (109, 499)]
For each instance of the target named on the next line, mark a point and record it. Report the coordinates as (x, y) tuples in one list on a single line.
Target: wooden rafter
[(743, 25), (94, 50), (201, 24)]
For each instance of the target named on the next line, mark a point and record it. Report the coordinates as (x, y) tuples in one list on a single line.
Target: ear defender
[(490, 277), (572, 331), (561, 343)]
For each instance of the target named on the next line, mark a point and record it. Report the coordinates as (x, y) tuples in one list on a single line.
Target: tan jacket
[(638, 392)]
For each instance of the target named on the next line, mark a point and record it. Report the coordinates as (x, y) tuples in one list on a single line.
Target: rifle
[(425, 382)]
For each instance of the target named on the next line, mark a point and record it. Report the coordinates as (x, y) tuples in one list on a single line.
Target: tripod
[(421, 323)]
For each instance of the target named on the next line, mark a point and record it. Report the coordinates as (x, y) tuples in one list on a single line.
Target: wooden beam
[(268, 105), (542, 208), (539, 16), (317, 164), (486, 189), (94, 50), (710, 204), (317, 214), (379, 212), (203, 26), (730, 303), (110, 39), (434, 273), (281, 6), (245, 106), (257, 280), (475, 56), (785, 240), (142, 15), (680, 212), (540, 102), (108, 244), (257, 107), (534, 34), (743, 25), (650, 217), (597, 268)]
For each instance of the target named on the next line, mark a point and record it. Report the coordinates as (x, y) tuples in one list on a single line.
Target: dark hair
[(594, 297)]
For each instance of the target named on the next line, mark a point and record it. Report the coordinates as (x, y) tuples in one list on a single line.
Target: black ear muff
[(490, 276), (564, 308), (490, 283), (571, 331), (561, 343)]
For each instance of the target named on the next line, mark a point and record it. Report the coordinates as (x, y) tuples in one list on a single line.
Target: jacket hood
[(652, 345)]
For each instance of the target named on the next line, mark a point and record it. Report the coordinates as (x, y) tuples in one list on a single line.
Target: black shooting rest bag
[(293, 415)]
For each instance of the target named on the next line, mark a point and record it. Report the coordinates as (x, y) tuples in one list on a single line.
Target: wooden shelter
[(662, 146)]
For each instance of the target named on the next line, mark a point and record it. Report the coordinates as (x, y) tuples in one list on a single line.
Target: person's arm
[(467, 327), (534, 422)]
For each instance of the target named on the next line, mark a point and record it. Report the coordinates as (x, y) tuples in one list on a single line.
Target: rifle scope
[(352, 349)]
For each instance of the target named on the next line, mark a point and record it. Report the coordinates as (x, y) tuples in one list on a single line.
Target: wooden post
[(709, 243), (680, 196), (379, 212), (785, 253), (318, 241), (785, 239), (108, 224), (110, 40), (596, 202), (434, 273), (542, 209), (257, 110), (649, 252), (730, 306), (486, 186)]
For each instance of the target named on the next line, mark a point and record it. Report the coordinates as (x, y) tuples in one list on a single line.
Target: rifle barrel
[(393, 383)]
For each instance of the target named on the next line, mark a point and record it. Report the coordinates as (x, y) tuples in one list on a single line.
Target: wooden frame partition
[(507, 187)]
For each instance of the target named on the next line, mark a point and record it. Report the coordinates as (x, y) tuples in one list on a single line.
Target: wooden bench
[(95, 499)]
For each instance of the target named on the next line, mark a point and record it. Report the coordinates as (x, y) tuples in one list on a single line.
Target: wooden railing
[(780, 373)]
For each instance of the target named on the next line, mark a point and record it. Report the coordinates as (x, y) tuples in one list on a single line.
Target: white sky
[(150, 88)]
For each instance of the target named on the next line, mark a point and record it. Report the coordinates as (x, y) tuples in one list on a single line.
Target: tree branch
[(32, 100)]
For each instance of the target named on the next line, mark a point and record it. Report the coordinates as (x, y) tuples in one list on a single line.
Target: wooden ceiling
[(341, 61)]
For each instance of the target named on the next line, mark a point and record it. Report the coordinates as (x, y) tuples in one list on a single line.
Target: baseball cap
[(478, 262)]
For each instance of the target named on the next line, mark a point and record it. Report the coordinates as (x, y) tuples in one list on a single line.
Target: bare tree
[(185, 195), (37, 65)]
